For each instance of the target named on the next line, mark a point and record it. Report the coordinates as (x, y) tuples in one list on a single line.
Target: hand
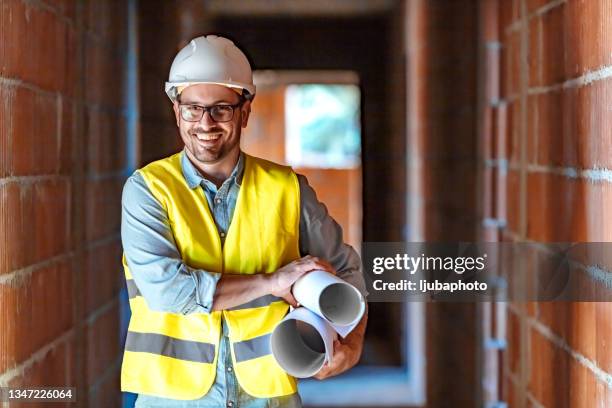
[(346, 355), (347, 351), (282, 280)]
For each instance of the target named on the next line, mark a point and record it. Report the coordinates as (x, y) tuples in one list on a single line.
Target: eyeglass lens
[(218, 113)]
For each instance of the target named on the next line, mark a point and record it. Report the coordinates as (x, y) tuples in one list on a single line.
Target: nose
[(207, 120)]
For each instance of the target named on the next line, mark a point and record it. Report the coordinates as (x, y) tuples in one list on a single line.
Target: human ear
[(246, 110)]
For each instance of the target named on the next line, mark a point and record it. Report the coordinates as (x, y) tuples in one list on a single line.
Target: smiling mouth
[(209, 137)]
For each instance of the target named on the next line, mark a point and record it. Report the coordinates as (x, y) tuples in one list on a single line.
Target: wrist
[(268, 282)]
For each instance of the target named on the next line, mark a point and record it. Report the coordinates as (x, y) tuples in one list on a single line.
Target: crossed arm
[(233, 290)]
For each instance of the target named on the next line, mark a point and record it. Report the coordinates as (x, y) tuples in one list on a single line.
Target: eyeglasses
[(218, 113)]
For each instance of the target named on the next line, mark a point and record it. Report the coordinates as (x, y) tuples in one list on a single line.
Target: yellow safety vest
[(174, 355)]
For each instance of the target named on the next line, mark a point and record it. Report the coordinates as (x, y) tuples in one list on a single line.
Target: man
[(213, 241)]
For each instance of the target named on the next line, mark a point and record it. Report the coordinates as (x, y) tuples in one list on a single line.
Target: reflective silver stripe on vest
[(170, 347), (252, 348), (259, 302), (132, 289)]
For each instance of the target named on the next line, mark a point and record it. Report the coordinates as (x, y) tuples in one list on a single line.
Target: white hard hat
[(210, 60)]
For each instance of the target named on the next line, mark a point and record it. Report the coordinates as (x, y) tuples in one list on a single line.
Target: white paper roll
[(302, 342), (332, 298)]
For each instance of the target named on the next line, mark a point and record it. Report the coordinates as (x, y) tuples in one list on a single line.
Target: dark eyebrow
[(217, 102)]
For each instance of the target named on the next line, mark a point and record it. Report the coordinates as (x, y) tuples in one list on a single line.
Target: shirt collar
[(194, 178)]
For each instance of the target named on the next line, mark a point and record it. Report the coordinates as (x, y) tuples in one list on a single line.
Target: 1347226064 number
[(38, 394)]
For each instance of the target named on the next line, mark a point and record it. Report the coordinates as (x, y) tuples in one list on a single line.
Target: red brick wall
[(546, 147), (61, 171)]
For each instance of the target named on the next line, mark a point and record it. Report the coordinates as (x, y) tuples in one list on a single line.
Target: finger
[(321, 265), (290, 299), (328, 266), (309, 263), (322, 373), (328, 370), (305, 259)]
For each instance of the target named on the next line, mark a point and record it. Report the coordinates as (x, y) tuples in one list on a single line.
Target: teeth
[(207, 137)]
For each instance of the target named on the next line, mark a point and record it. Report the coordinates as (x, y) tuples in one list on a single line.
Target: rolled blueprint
[(332, 298), (302, 342)]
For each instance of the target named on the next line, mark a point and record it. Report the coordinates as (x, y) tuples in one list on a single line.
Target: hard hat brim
[(171, 88)]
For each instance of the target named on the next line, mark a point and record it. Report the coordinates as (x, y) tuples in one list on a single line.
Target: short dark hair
[(246, 95)]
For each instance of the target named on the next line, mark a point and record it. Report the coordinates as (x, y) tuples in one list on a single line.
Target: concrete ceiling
[(300, 8)]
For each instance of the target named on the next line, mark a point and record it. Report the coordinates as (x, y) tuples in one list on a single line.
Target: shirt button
[(222, 234), (217, 200), (230, 404), (229, 369)]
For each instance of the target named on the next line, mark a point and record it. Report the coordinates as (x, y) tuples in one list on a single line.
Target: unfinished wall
[(547, 148), (442, 167), (61, 169)]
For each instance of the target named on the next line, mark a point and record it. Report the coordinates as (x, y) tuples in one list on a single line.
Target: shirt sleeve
[(321, 236), (162, 278)]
